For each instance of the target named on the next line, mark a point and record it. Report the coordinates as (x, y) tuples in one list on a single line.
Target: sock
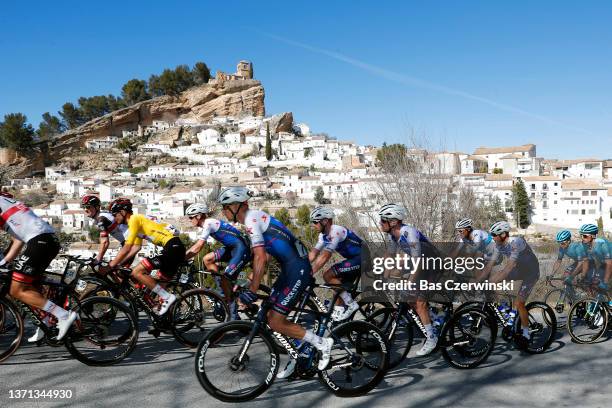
[(313, 339), (161, 292), (55, 310), (526, 332), (429, 331), (346, 297)]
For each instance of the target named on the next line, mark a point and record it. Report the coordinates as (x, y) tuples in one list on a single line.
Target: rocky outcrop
[(225, 98), (283, 122)]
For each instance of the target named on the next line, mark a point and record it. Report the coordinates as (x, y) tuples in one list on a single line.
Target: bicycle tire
[(456, 339), (549, 318), (184, 320), (383, 319), (90, 326), (213, 339), (10, 321), (371, 340), (552, 299), (580, 312)]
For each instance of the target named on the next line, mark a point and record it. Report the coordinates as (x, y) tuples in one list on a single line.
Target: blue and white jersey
[(341, 240), (576, 251), (479, 241), (600, 251), (409, 241), (514, 248), (265, 230), (222, 232)]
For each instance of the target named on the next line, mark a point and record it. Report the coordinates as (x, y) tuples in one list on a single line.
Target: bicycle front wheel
[(359, 359), (559, 300), (397, 330), (196, 312), (106, 332), (587, 320), (11, 329), (232, 369), (542, 327)]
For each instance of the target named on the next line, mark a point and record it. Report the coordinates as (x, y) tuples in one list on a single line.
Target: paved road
[(160, 373)]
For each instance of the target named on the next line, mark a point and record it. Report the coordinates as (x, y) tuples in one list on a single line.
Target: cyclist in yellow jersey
[(159, 234)]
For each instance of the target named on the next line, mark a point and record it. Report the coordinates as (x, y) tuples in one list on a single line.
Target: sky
[(450, 75)]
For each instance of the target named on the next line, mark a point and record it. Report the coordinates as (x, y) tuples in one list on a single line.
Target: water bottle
[(69, 275), (503, 308), (327, 304)]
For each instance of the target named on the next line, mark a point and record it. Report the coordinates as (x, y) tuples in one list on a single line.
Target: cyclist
[(573, 250), (414, 243), (334, 238), (600, 251), (105, 223), (270, 236), (235, 250), (41, 247), (522, 265), (159, 234), (472, 241)]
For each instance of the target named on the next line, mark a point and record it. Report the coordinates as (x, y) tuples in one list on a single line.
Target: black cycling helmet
[(120, 204)]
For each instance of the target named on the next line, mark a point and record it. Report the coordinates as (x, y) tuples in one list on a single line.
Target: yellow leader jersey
[(141, 227)]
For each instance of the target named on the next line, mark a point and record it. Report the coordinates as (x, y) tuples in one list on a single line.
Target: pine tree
[(522, 206), (268, 143)]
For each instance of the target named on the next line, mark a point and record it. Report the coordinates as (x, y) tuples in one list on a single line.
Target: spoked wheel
[(587, 320), (559, 300), (196, 312), (105, 334), (359, 359), (542, 327), (397, 330), (230, 373), (11, 329), (468, 338)]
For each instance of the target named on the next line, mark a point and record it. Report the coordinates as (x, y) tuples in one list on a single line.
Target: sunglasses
[(586, 236), (191, 217), (495, 235)]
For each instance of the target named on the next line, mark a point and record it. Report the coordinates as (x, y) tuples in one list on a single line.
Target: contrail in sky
[(419, 83)]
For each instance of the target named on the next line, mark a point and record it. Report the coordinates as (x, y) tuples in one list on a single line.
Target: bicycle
[(244, 354), (592, 315), (194, 312), (562, 298), (105, 333)]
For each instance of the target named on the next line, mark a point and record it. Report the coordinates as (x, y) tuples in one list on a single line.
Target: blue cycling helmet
[(591, 229), (563, 235)]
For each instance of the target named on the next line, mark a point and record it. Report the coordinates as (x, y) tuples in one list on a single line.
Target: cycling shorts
[(38, 254), (347, 270), (295, 277), (173, 254), (236, 257), (529, 273)]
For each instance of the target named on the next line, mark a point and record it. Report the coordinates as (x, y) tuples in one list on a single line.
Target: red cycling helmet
[(120, 204), (90, 200)]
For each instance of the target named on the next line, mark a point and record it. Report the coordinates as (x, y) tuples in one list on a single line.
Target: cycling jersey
[(575, 251), (342, 240), (409, 241), (265, 230), (222, 232), (527, 267), (514, 248), (107, 226), (478, 241), (141, 227), (21, 222), (601, 250), (296, 271)]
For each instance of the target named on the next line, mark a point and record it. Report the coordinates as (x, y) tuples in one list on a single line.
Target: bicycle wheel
[(106, 333), (11, 329), (398, 332), (559, 300), (195, 313), (468, 338), (219, 370), (359, 359), (542, 327), (587, 320)]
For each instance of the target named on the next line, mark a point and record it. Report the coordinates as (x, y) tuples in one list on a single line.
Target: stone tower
[(245, 69)]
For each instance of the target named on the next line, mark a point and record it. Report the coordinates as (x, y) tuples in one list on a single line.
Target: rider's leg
[(210, 262)]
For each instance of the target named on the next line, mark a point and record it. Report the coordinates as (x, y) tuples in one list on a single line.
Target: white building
[(107, 142), (494, 155)]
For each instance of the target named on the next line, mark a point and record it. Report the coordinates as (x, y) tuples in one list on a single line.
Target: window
[(593, 193), (585, 193), (532, 195), (574, 211), (544, 186), (591, 211), (555, 202), (556, 184), (533, 186), (583, 211)]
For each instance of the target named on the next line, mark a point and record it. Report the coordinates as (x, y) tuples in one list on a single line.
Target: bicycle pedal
[(155, 332)]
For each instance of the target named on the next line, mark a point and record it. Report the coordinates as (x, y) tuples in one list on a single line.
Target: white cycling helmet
[(463, 223), (499, 227), (233, 195), (320, 213), (392, 211), (197, 208)]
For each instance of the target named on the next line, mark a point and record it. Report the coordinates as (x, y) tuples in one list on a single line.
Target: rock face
[(283, 122), (225, 98)]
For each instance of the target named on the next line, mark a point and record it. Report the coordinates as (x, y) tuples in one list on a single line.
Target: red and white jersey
[(107, 226), (21, 222)]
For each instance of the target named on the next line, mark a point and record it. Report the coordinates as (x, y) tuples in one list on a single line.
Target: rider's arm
[(104, 243), (13, 251), (124, 254), (312, 255), (320, 261), (556, 266), (506, 271), (195, 249), (259, 266)]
